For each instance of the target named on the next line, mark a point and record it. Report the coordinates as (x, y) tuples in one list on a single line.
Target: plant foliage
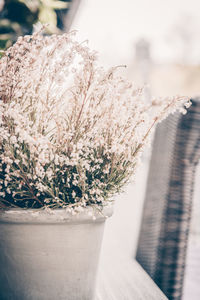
[(71, 133)]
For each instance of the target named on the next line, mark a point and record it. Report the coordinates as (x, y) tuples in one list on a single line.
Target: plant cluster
[(71, 133)]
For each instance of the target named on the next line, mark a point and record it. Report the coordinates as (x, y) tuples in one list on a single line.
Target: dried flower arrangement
[(71, 133)]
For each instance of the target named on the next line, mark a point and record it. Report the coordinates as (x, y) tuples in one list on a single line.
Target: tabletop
[(126, 280)]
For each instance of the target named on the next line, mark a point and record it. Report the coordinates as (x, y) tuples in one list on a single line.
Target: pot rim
[(54, 216)]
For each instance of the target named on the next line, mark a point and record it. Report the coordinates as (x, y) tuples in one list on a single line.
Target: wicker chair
[(166, 217)]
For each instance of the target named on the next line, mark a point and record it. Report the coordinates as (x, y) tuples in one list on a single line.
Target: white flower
[(69, 128)]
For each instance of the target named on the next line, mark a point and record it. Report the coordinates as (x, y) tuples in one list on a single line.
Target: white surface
[(124, 279)]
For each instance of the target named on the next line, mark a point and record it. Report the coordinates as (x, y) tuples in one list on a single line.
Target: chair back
[(166, 217)]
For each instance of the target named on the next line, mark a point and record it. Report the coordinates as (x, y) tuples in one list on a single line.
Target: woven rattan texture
[(166, 218)]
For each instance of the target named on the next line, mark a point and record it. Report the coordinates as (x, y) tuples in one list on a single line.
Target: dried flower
[(71, 133)]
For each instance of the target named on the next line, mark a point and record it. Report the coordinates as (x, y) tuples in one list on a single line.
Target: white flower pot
[(49, 256)]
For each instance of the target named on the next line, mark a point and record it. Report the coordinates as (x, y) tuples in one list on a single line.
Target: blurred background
[(155, 39), (159, 41)]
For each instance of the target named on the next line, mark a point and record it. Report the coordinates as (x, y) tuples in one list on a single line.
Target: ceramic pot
[(49, 255)]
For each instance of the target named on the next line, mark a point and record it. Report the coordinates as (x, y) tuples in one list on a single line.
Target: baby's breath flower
[(71, 133)]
